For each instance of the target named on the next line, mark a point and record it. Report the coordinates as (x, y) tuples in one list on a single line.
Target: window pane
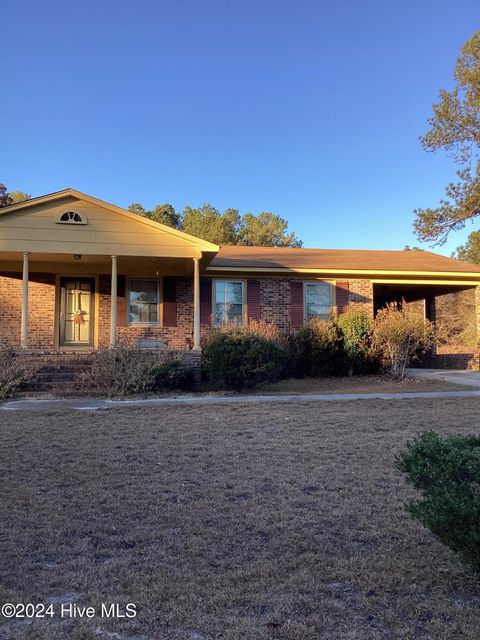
[(144, 290), (143, 303), (318, 299), (228, 301), (233, 292), (143, 312)]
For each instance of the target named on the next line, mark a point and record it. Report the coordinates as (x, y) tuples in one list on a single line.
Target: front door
[(76, 312)]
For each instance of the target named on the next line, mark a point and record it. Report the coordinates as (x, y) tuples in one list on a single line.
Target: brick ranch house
[(78, 274)]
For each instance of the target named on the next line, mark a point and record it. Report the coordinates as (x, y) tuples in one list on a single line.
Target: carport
[(427, 292)]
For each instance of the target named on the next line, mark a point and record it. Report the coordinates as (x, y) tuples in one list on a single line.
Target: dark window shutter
[(341, 295), (169, 302), (253, 300), (205, 301), (296, 289), (121, 302)]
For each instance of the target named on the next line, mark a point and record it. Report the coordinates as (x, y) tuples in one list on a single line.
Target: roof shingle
[(369, 260)]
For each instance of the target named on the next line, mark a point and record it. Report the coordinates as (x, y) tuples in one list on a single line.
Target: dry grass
[(359, 384), (272, 522)]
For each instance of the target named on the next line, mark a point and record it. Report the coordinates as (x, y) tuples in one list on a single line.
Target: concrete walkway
[(93, 405), (467, 378)]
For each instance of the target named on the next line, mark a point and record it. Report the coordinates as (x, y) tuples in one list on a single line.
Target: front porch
[(75, 303), (78, 273)]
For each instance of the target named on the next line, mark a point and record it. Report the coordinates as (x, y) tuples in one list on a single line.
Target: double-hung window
[(318, 300), (143, 303), (228, 301)]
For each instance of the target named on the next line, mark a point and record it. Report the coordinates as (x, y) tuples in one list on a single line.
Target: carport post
[(431, 314)]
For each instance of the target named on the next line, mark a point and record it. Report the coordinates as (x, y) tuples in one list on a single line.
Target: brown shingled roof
[(368, 260)]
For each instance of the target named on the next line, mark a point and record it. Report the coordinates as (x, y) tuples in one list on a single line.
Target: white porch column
[(196, 303), (113, 303), (24, 324)]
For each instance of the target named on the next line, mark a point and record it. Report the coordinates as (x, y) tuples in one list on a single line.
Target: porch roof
[(406, 264)]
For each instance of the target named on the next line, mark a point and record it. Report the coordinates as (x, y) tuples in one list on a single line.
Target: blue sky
[(311, 109)]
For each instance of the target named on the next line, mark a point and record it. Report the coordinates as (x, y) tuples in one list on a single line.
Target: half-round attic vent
[(72, 217)]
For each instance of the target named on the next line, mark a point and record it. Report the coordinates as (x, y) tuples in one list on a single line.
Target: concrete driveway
[(470, 378)]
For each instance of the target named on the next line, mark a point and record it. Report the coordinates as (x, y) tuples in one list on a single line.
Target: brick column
[(360, 295)]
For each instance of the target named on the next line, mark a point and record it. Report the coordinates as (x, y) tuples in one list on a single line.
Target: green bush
[(174, 374), (123, 371), (316, 349), (447, 473), (14, 371), (236, 358), (400, 337), (356, 330)]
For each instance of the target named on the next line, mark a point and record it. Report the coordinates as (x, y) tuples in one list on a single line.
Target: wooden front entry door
[(76, 312)]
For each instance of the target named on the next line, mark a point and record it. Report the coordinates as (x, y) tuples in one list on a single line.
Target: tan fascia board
[(31, 202), (351, 272), (470, 283), (202, 245)]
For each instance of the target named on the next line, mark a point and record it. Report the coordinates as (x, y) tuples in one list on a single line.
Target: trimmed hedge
[(174, 375), (316, 349), (447, 473), (236, 358), (356, 330)]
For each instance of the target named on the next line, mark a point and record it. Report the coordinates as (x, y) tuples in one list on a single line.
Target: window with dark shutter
[(341, 294), (253, 300), (121, 301), (296, 291), (205, 301), (169, 302)]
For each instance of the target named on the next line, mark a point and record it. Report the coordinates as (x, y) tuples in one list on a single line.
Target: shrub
[(316, 349), (447, 473), (236, 358), (123, 371), (401, 336), (14, 371), (356, 329), (174, 374), (265, 330)]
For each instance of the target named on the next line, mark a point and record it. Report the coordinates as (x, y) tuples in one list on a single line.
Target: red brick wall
[(41, 315), (275, 307), (275, 298), (361, 295), (179, 337)]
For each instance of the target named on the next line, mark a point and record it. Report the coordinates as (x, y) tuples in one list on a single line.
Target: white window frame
[(214, 299), (83, 218), (332, 301), (159, 302)]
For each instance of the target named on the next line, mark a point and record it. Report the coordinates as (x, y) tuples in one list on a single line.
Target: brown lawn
[(359, 384), (236, 522)]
